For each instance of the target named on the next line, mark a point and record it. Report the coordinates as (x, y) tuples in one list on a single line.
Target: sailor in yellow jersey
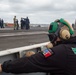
[(15, 24)]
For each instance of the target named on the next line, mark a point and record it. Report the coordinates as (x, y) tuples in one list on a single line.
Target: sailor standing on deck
[(27, 23), (59, 58), (15, 24)]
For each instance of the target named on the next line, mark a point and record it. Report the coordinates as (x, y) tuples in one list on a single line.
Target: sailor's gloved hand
[(0, 68), (49, 45), (29, 53)]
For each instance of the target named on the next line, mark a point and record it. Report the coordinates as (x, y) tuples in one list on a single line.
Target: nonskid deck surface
[(10, 38)]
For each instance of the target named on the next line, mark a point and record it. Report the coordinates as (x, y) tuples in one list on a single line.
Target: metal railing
[(20, 49)]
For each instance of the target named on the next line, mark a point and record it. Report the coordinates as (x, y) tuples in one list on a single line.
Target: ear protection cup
[(64, 34), (71, 30)]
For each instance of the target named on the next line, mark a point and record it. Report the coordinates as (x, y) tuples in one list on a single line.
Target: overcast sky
[(38, 11)]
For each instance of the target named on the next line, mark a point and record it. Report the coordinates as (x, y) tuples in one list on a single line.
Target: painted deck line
[(22, 33)]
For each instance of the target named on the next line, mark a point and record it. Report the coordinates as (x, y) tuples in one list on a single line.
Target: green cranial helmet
[(56, 30), (54, 26)]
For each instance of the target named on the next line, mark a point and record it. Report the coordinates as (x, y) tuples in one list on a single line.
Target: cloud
[(38, 11)]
